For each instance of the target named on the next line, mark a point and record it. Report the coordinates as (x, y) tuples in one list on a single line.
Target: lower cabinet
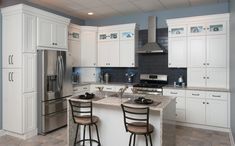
[(201, 107)]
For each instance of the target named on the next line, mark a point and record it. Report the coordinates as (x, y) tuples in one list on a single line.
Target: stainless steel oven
[(54, 86)]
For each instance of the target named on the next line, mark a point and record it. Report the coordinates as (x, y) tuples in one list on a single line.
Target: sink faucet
[(122, 90)]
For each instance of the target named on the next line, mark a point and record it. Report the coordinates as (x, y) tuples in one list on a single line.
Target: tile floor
[(185, 137)]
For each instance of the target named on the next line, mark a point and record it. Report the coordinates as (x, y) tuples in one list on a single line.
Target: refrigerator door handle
[(58, 73), (62, 71)]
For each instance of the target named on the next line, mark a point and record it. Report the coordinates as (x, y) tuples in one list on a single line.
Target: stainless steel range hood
[(152, 46)]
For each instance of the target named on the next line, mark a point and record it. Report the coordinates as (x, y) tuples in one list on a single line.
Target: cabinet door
[(29, 33), (177, 55), (29, 111), (12, 100), (195, 110), (44, 33), (180, 102), (196, 77), (127, 35), (216, 51), (196, 29), (217, 113), (12, 41), (74, 33), (108, 54), (61, 35), (29, 73), (75, 50), (197, 51), (127, 53), (88, 48), (216, 77), (177, 31), (216, 28)]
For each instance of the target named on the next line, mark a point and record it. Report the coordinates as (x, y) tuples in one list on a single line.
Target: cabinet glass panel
[(113, 35), (196, 29), (216, 28), (102, 36), (177, 31), (127, 35), (75, 35)]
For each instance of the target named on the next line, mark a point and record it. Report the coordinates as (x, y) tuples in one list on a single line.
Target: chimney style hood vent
[(152, 46)]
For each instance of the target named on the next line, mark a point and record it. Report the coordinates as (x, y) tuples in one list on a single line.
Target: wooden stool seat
[(86, 120), (139, 128)]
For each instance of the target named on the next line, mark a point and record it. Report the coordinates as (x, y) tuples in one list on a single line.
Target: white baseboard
[(2, 132), (231, 138), (23, 136), (204, 127)]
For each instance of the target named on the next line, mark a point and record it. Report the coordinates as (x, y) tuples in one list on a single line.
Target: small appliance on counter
[(75, 78), (106, 78), (180, 82)]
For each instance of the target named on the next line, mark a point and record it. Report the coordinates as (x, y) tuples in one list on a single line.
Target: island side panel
[(111, 126), (168, 124)]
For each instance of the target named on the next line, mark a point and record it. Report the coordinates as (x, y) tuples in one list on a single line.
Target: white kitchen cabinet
[(74, 44), (22, 24), (12, 99), (29, 110), (117, 46), (52, 34), (217, 113), (196, 77), (108, 54), (196, 29), (11, 30), (177, 30), (79, 90), (29, 72), (216, 27), (88, 56), (216, 51), (216, 77), (197, 51), (177, 52), (195, 110)]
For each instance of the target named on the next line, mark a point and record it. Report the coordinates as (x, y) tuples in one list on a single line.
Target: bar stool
[(82, 116), (136, 121)]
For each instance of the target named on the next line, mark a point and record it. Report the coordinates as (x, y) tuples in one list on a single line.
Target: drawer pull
[(109, 88), (75, 89), (195, 94), (85, 88), (173, 92), (216, 96)]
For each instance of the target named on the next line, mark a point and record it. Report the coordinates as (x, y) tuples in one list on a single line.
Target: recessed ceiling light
[(90, 13)]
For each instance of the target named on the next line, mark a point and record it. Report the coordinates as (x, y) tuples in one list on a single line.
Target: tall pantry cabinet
[(19, 71)]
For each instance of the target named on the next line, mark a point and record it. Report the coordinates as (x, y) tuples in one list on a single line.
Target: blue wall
[(232, 64), (142, 18)]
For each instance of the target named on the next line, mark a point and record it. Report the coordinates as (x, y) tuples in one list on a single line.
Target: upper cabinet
[(117, 46), (52, 34), (177, 30)]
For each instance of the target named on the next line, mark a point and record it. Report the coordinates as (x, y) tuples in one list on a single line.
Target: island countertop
[(117, 101)]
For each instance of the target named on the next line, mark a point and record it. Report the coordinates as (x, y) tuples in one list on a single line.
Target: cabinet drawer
[(180, 115), (172, 92), (196, 94), (180, 102), (217, 95), (81, 89)]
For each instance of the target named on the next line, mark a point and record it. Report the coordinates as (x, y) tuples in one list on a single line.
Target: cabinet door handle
[(12, 59), (195, 94), (173, 92), (208, 77), (109, 88), (204, 77), (9, 59), (12, 77), (204, 102), (208, 64), (207, 103), (216, 96), (94, 64), (169, 63), (85, 88), (204, 63), (75, 89), (9, 76)]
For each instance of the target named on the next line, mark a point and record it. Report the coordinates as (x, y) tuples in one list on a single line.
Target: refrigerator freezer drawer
[(53, 106), (54, 121)]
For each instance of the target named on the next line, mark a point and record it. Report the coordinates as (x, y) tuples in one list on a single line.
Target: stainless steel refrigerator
[(54, 86)]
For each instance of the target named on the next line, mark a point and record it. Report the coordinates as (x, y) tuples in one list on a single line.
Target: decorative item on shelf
[(130, 76), (180, 81)]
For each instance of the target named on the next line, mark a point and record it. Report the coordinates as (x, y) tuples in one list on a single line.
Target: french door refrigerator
[(54, 69)]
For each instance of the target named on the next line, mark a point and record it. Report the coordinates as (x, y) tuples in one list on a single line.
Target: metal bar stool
[(82, 116), (136, 121)]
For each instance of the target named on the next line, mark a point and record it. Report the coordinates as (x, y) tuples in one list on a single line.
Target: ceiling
[(109, 8)]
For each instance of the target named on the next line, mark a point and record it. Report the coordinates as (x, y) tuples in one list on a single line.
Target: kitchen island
[(111, 125)]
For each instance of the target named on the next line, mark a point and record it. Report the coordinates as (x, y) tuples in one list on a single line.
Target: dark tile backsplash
[(149, 63)]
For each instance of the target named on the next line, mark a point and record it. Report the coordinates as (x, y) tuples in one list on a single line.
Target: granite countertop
[(98, 83), (196, 88), (115, 101)]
